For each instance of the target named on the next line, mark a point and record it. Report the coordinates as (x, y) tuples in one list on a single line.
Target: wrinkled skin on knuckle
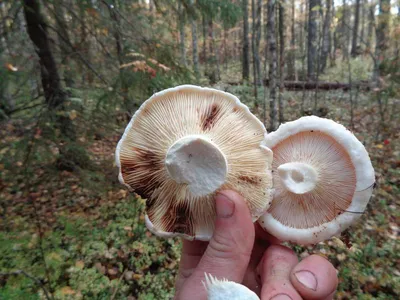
[(228, 247)]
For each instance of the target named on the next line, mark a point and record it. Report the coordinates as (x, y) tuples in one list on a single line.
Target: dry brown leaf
[(73, 114), (80, 264), (67, 290), (10, 67)]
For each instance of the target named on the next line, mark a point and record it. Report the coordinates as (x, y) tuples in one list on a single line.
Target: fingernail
[(281, 297), (224, 206), (307, 279)]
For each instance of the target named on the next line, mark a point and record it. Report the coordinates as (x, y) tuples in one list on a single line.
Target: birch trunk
[(272, 64)]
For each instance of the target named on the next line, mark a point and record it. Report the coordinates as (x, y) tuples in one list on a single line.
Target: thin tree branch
[(36, 280)]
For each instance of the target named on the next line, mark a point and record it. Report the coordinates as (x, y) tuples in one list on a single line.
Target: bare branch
[(36, 280)]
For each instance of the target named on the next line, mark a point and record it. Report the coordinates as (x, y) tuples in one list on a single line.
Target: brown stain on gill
[(209, 118), (249, 179), (140, 172), (178, 218)]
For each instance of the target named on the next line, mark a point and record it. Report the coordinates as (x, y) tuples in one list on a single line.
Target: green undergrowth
[(90, 257)]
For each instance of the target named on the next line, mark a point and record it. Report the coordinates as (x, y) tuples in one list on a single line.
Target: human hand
[(244, 253)]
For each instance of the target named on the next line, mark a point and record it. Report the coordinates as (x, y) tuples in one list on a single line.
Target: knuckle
[(227, 247)]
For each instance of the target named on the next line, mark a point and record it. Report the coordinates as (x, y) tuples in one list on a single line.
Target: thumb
[(228, 253)]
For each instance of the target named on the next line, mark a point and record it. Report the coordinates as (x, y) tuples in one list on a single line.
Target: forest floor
[(80, 235)]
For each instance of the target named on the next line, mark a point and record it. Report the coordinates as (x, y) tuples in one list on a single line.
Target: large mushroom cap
[(185, 144), (322, 177)]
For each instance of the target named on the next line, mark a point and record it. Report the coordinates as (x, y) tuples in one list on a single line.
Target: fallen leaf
[(341, 256), (73, 114), (100, 268), (112, 271), (80, 264), (67, 290), (128, 275), (10, 67)]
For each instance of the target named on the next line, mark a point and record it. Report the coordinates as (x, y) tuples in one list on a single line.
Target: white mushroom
[(184, 145), (322, 177), (227, 290)]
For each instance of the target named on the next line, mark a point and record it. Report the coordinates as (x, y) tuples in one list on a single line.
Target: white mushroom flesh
[(298, 177), (227, 290), (197, 162)]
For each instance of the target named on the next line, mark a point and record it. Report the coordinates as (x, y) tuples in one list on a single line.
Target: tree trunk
[(326, 40), (246, 54), (346, 30), (226, 54), (84, 45), (382, 42), (256, 36), (265, 35), (216, 53), (258, 39), (397, 46), (334, 39), (303, 46), (63, 36), (4, 38), (292, 51), (214, 61), (181, 20), (204, 27), (362, 8), (272, 64), (312, 38), (371, 25), (354, 45), (282, 37), (117, 34), (195, 49), (254, 48), (151, 5), (54, 95)]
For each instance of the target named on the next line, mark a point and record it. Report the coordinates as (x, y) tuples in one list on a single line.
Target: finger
[(192, 251), (275, 268), (251, 278), (230, 247), (314, 278), (262, 241)]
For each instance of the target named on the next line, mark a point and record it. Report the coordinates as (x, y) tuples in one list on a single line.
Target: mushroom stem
[(196, 161), (298, 177)]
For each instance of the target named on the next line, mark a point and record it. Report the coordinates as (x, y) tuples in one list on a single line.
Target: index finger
[(192, 251)]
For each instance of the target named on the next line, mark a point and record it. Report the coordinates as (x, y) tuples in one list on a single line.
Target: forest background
[(73, 72)]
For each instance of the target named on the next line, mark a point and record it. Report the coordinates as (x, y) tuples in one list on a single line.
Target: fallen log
[(321, 85)]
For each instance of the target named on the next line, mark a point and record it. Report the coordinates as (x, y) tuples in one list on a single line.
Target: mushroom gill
[(185, 144), (333, 187)]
